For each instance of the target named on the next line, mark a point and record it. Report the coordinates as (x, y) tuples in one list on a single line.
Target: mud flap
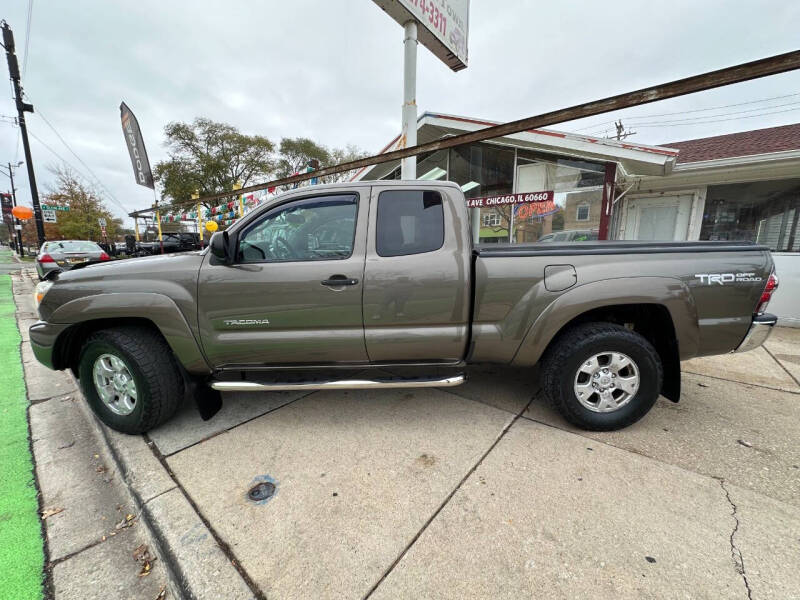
[(209, 401)]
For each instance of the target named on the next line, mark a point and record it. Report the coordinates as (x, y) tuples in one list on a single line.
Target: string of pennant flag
[(225, 213)]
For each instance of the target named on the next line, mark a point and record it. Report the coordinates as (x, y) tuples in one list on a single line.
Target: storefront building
[(743, 186)]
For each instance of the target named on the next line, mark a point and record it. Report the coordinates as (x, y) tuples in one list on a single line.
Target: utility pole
[(408, 137), (17, 226), (22, 108), (621, 133)]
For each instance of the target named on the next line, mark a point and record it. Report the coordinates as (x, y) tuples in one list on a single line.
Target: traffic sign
[(102, 222), (49, 215)]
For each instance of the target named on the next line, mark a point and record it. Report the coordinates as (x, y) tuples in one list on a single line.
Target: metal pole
[(17, 232), (22, 108), (408, 165)]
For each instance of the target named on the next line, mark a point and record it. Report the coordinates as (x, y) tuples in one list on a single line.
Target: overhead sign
[(444, 26), (49, 215), (136, 149), (530, 197)]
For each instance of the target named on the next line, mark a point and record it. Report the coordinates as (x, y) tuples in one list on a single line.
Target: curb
[(196, 566)]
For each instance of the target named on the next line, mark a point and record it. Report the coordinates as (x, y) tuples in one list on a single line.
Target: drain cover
[(261, 491)]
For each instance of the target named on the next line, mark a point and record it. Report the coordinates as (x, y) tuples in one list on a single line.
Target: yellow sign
[(212, 226)]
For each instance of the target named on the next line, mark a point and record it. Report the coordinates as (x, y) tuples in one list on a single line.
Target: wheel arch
[(660, 309), (88, 314)]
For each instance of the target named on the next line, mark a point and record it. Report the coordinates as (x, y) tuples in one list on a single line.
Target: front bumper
[(43, 340), (758, 333)]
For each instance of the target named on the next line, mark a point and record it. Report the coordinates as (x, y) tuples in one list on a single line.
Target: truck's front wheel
[(602, 376), (129, 378)]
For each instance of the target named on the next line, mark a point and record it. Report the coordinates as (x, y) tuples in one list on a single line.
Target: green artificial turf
[(21, 548)]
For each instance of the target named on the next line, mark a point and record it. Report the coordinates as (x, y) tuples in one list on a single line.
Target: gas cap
[(558, 278)]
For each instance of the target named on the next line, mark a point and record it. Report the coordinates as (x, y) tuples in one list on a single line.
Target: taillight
[(46, 258), (104, 256), (766, 295)]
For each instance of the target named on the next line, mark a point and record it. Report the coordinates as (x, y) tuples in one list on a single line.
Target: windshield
[(71, 246)]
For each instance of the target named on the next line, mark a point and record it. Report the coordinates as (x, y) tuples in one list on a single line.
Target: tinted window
[(409, 222), (312, 229)]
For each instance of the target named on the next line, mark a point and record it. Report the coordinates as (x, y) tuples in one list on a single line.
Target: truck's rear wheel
[(130, 378), (602, 376)]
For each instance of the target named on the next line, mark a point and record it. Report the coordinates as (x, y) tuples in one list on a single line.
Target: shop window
[(491, 219), (765, 212)]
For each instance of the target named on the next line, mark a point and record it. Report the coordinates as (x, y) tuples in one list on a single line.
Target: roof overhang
[(635, 159)]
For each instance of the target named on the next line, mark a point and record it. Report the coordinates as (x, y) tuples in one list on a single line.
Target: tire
[(147, 360), (576, 361)]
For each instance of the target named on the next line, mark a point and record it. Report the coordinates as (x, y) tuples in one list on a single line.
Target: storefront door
[(664, 218)]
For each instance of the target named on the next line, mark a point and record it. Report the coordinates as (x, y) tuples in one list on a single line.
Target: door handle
[(337, 280)]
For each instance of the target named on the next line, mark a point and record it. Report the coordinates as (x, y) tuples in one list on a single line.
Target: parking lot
[(478, 491)]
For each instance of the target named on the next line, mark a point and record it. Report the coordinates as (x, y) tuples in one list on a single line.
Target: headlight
[(41, 290)]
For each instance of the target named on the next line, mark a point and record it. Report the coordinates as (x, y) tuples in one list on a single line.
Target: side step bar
[(341, 384)]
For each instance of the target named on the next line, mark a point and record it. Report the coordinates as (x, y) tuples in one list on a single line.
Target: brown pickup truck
[(331, 280)]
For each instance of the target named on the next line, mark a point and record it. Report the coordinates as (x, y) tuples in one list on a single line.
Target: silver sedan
[(65, 254)]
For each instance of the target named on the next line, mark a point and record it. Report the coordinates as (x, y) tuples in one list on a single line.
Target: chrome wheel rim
[(606, 381), (114, 384)]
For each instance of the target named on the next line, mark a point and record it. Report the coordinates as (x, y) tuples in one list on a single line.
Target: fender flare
[(159, 309), (669, 292)]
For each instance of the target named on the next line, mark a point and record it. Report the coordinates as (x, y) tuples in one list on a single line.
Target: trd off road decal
[(723, 278)]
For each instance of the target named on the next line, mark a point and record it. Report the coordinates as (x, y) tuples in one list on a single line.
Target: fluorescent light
[(434, 173), (468, 186)]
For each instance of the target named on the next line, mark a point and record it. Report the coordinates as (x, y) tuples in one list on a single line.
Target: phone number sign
[(529, 197), (444, 26)]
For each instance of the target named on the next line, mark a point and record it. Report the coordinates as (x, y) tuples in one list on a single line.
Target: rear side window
[(409, 222)]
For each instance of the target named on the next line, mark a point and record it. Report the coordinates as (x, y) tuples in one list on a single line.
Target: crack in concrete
[(736, 553)]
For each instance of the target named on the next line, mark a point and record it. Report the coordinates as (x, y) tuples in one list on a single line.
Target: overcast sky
[(332, 71)]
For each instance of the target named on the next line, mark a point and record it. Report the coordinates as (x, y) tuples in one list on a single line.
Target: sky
[(332, 71)]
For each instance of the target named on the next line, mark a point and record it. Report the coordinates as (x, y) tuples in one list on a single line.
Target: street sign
[(49, 215), (54, 207), (444, 26), (102, 222)]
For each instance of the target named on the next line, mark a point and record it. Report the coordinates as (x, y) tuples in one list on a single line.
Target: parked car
[(571, 235), (65, 254), (183, 241), (371, 275)]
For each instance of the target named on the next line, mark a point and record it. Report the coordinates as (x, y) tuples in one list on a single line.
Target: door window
[(409, 222), (312, 229)]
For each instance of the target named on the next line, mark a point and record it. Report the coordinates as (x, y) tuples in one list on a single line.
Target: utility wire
[(27, 39), (80, 160), (69, 164), (763, 110), (777, 112), (683, 112)]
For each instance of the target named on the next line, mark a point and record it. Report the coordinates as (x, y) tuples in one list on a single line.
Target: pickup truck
[(383, 277)]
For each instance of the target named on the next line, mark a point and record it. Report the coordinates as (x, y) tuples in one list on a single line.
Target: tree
[(295, 154), (80, 222), (210, 157)]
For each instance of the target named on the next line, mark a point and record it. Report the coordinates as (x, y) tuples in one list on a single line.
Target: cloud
[(332, 71)]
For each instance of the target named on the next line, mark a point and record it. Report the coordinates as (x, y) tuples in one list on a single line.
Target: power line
[(80, 160), (777, 112), (684, 112), (727, 114), (69, 164), (27, 39)]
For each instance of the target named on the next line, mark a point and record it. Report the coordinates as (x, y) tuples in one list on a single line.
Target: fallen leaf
[(49, 512), (126, 522), (100, 469), (141, 552), (145, 570), (163, 593), (745, 444)]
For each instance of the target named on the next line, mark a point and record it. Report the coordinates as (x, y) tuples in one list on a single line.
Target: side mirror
[(218, 246)]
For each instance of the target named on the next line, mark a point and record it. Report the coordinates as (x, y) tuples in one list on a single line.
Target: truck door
[(417, 274), (293, 294)]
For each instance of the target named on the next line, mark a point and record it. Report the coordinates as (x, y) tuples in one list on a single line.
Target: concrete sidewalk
[(479, 491)]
